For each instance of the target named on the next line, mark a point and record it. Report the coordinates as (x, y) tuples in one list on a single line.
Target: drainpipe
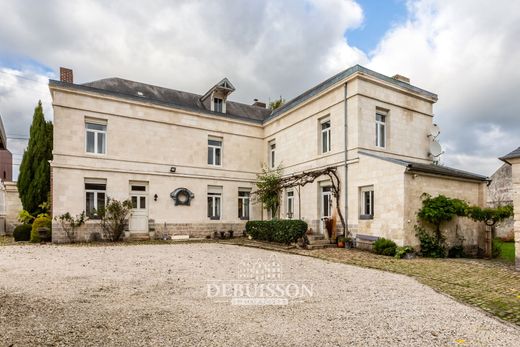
[(346, 165)]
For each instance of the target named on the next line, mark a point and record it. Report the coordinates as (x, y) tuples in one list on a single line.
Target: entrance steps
[(317, 241)]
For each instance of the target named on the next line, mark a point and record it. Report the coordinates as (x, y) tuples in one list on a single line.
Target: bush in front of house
[(22, 232), (277, 230), (385, 247), (42, 221)]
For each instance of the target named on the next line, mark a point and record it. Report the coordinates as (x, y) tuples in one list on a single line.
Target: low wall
[(91, 230)]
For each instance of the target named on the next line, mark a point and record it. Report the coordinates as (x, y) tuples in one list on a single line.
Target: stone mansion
[(189, 162)]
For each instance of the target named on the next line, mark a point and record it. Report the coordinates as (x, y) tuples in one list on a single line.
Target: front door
[(325, 207), (138, 222)]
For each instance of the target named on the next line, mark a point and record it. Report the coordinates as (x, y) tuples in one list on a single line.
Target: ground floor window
[(95, 197), (290, 204), (367, 202), (243, 203), (214, 202)]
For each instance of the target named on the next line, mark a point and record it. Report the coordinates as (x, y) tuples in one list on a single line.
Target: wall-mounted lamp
[(173, 169), (155, 197)]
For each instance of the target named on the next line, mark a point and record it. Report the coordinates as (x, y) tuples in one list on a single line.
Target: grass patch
[(507, 250)]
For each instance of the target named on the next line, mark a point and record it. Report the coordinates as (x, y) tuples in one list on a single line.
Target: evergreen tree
[(34, 178)]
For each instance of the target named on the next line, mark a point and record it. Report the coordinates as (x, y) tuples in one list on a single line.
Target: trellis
[(306, 177)]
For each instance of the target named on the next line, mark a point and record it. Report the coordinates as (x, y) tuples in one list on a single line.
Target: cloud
[(467, 52), (20, 91)]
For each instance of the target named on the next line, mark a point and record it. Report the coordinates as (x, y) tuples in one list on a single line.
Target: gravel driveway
[(157, 295)]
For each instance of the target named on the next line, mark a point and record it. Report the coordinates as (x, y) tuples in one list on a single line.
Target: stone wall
[(500, 193), (91, 230), (516, 202), (472, 234)]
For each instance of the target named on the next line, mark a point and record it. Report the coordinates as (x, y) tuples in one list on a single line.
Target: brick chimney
[(259, 104), (66, 75)]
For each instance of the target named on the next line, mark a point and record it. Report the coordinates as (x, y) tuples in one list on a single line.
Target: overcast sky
[(466, 51)]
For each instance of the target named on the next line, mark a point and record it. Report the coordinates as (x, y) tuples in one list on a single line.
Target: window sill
[(214, 218), (366, 217), (244, 218)]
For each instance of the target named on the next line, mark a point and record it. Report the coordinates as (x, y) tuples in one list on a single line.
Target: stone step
[(139, 237), (321, 245), (315, 237), (320, 242)]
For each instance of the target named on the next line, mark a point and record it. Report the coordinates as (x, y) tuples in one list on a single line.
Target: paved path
[(157, 295)]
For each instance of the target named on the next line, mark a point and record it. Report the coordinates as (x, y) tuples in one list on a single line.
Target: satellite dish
[(435, 149), (434, 131)]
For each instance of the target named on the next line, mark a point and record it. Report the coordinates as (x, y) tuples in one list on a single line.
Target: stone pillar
[(516, 203)]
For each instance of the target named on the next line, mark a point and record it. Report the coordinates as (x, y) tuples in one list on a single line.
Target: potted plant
[(341, 242), (348, 242)]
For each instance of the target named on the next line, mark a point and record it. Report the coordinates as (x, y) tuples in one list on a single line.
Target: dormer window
[(215, 98), (217, 105)]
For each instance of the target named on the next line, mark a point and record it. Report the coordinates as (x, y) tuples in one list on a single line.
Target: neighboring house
[(500, 193), (124, 139), (10, 204)]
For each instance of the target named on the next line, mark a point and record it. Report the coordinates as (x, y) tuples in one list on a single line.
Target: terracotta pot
[(341, 244)]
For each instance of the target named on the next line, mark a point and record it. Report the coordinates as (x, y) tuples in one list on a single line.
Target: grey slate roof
[(433, 169), (340, 76), (514, 154), (189, 101), (166, 97)]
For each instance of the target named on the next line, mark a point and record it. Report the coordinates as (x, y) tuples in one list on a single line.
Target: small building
[(131, 140), (10, 204)]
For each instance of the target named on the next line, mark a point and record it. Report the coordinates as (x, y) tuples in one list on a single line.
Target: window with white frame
[(214, 202), (95, 196), (380, 129), (325, 136), (243, 203), (272, 154), (290, 204), (367, 202), (218, 105), (215, 151), (95, 137)]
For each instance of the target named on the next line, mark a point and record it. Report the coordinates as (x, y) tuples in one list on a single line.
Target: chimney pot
[(66, 75), (259, 104)]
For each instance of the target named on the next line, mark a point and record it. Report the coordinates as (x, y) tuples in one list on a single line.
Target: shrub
[(385, 247), (277, 230), (431, 247), (400, 252), (456, 252), (22, 232), (42, 221), (69, 224), (113, 217), (495, 249)]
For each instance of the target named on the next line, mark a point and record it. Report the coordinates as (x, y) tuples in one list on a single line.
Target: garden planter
[(341, 244)]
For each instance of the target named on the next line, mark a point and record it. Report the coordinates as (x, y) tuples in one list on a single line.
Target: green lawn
[(507, 251)]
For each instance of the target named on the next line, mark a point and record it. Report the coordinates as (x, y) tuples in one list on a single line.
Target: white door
[(325, 207), (138, 222)]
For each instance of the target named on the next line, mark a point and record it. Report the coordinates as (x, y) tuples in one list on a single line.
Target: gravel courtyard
[(157, 295)]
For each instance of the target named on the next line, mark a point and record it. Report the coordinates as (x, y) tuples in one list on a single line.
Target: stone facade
[(10, 206), (166, 147), (516, 201), (500, 193)]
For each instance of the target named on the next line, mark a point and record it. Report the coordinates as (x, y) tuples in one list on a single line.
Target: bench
[(365, 241)]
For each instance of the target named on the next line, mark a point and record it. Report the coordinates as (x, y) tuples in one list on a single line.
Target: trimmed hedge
[(41, 222), (385, 247), (22, 232), (277, 230)]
